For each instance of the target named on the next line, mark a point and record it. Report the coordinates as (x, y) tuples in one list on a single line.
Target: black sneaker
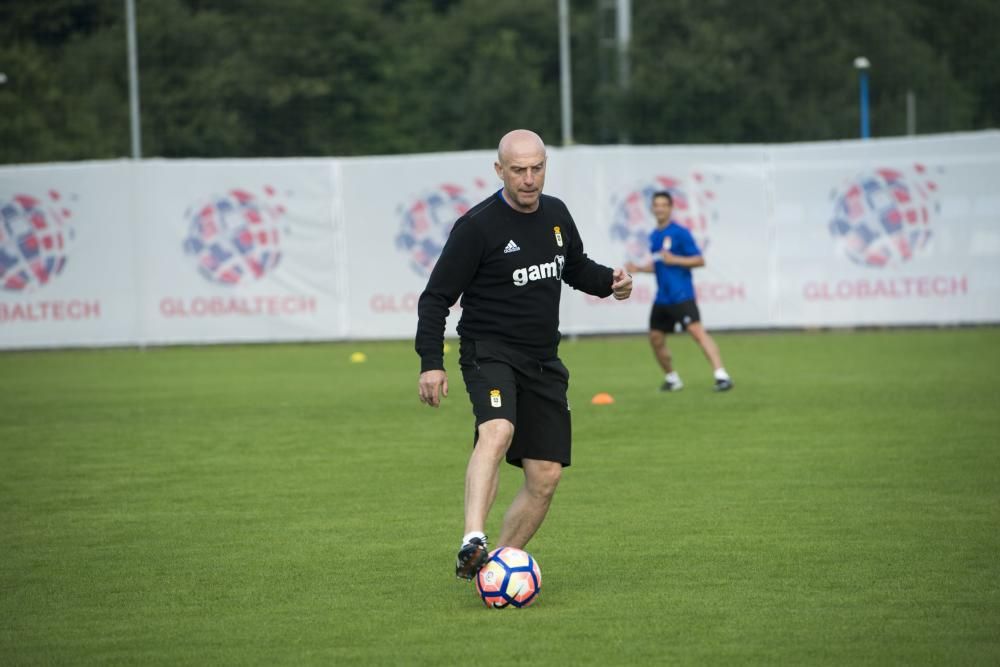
[(471, 557), (671, 386), (723, 385)]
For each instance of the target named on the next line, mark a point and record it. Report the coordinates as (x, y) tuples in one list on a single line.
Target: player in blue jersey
[(675, 309)]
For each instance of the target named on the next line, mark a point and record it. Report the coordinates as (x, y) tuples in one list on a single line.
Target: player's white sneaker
[(672, 386), (723, 384)]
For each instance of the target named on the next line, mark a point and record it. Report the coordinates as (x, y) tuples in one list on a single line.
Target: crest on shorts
[(558, 236), (495, 398)]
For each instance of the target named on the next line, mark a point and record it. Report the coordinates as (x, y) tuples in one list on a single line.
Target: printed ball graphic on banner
[(34, 235), (235, 236), (632, 221), (510, 578), (883, 217), (426, 222)]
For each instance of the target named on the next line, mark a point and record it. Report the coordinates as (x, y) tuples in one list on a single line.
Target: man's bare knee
[(656, 338), (542, 477), (697, 331), (495, 435)]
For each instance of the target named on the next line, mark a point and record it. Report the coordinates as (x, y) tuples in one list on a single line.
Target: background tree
[(352, 77)]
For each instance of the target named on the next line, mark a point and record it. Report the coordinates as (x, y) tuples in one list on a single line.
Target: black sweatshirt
[(507, 266)]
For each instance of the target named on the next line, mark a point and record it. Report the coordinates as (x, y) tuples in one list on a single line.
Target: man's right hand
[(433, 386)]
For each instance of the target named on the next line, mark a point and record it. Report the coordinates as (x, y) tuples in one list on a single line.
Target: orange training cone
[(602, 398)]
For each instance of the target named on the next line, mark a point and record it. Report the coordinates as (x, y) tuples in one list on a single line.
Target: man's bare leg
[(483, 473), (706, 343), (482, 477), (722, 380), (658, 341), (531, 503)]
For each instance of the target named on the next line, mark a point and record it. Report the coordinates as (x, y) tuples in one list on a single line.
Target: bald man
[(508, 257)]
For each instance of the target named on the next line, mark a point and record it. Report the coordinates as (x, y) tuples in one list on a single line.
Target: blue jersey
[(674, 282)]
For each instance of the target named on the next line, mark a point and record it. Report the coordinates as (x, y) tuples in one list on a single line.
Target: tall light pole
[(566, 85), (911, 113), (133, 80), (861, 64), (623, 22)]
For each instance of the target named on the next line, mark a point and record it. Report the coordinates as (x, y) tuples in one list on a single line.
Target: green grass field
[(281, 505)]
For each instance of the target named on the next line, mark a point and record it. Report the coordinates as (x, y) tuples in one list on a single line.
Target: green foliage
[(230, 505), (65, 96), (301, 77), (782, 71), (962, 36)]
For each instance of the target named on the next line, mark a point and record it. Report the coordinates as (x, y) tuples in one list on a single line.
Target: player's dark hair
[(664, 193)]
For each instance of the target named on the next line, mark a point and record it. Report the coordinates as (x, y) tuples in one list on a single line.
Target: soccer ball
[(511, 577)]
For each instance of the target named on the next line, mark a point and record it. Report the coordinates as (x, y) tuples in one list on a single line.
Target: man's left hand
[(621, 284)]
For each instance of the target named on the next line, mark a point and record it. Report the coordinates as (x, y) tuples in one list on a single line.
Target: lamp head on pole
[(861, 63)]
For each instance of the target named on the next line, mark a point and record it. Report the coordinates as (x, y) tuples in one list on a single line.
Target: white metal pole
[(911, 113), (133, 80), (624, 34), (566, 84)]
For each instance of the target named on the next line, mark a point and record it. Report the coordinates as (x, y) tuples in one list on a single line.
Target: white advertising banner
[(890, 232), (239, 251), (67, 261), (881, 232)]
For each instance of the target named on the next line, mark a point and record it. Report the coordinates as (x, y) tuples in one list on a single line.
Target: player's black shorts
[(507, 383), (675, 317)]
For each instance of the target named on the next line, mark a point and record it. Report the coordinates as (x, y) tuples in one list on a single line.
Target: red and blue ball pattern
[(235, 237), (426, 222), (632, 220), (883, 217), (34, 239)]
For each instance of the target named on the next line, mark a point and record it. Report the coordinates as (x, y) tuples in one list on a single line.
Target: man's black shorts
[(675, 317), (507, 383)]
